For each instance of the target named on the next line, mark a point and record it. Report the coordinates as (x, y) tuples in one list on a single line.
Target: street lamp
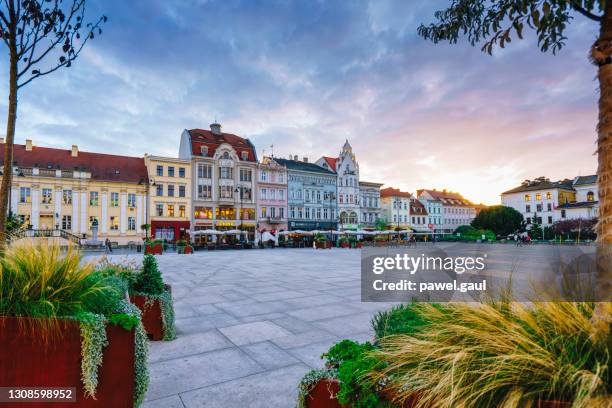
[(332, 197), (398, 203), (239, 190)]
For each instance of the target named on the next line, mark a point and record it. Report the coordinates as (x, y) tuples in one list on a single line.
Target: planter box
[(322, 245), (344, 245), (358, 245), (156, 249), (28, 361), (381, 243), (151, 316), (323, 395)]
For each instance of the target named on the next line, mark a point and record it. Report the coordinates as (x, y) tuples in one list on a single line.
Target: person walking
[(109, 246)]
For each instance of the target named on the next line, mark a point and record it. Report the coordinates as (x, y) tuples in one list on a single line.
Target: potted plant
[(154, 299), (380, 240), (320, 241), (65, 324), (344, 241), (155, 247), (183, 247)]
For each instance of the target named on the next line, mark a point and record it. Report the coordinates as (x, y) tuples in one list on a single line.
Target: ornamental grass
[(498, 355)]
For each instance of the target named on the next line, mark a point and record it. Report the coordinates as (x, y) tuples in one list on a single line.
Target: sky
[(304, 76)]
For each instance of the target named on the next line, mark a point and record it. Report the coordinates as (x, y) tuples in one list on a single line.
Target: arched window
[(353, 218), (226, 155), (343, 218), (590, 196)]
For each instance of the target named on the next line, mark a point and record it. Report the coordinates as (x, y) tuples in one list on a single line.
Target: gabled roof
[(331, 162), (103, 167), (394, 192), (585, 180), (303, 166), (417, 208), (202, 137), (449, 198)]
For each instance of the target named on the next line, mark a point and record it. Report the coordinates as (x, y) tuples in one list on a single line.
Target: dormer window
[(245, 156), (204, 150), (590, 196)]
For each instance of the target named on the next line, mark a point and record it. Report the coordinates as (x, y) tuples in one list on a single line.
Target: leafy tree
[(41, 36), (500, 219), (381, 224), (496, 24), (13, 224), (575, 228), (535, 230)]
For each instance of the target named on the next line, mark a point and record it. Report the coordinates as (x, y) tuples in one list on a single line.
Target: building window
[(245, 175), (159, 190), (226, 173), (538, 197), (245, 155), (204, 171), (527, 208), (182, 211), (170, 171), (131, 200), (67, 222), (227, 213), (264, 194), (590, 196), (170, 190), (264, 213), (263, 175), (159, 209), (114, 223), (170, 210), (538, 207), (562, 213), (549, 207), (203, 213), (67, 196), (281, 212), (204, 191), (114, 199), (160, 170), (527, 197), (181, 172), (204, 150), (131, 224), (226, 191), (549, 195), (24, 195), (93, 198), (181, 191), (550, 219), (47, 196)]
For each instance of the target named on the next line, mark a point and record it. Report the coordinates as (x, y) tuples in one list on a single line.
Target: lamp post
[(332, 197), (239, 191), (398, 203)]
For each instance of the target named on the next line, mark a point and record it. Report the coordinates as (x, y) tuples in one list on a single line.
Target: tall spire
[(347, 146)]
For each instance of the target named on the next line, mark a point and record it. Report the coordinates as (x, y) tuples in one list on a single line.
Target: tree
[(500, 219), (41, 37), (496, 23), (381, 224)]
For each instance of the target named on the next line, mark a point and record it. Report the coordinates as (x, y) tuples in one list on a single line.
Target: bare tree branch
[(576, 6)]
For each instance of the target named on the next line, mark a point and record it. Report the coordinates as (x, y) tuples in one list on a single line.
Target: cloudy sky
[(306, 75)]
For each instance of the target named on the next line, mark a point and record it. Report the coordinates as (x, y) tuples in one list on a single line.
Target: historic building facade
[(356, 209), (395, 208), (271, 196), (547, 202), (224, 169), (169, 197), (312, 195), (370, 204), (456, 210), (72, 191), (435, 212)]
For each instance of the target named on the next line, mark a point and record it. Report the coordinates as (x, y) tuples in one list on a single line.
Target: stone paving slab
[(254, 332)]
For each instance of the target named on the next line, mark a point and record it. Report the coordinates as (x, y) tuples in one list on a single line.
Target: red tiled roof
[(417, 208), (202, 137), (331, 162), (103, 167), (447, 197), (393, 192)]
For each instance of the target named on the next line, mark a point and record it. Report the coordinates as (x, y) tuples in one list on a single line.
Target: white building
[(456, 210), (550, 201), (395, 208), (435, 213), (370, 203)]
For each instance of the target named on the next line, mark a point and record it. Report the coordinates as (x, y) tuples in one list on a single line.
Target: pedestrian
[(109, 246)]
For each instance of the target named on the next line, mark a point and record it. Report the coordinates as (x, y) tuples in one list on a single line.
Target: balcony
[(274, 220)]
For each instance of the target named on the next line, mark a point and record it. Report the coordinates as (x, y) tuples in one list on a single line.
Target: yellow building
[(70, 191), (169, 197)]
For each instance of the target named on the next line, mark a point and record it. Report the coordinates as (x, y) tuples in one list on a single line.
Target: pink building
[(271, 197)]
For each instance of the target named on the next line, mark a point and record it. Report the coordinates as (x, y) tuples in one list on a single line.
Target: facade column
[(35, 199), (104, 207), (58, 208), (84, 222), (75, 211), (123, 218), (139, 212)]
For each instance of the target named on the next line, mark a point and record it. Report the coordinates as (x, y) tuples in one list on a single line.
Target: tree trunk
[(7, 172), (601, 55)]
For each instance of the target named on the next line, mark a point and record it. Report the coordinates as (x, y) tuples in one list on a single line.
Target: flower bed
[(64, 323)]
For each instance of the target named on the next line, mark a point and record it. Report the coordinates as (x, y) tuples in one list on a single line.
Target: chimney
[(305, 159), (1, 140), (75, 151), (215, 128), (28, 145)]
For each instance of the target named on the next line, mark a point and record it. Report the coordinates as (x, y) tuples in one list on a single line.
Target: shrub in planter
[(320, 241), (154, 299), (319, 389), (58, 328), (500, 354), (344, 241)]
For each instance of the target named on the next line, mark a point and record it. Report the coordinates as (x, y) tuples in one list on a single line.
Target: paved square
[(251, 323)]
